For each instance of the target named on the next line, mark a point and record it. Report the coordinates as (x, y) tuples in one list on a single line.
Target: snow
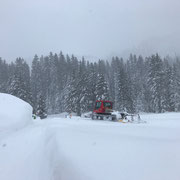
[(76, 148), (111, 150), (26, 155), (14, 112)]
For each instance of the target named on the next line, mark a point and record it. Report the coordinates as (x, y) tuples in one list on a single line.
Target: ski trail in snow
[(32, 153), (99, 150), (62, 167), (28, 154)]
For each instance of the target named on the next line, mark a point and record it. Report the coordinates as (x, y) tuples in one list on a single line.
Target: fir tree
[(41, 108), (102, 91), (156, 84), (19, 83), (35, 81)]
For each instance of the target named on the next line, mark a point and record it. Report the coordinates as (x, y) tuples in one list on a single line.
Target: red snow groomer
[(103, 110)]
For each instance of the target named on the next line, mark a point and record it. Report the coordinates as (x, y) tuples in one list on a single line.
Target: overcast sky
[(97, 28)]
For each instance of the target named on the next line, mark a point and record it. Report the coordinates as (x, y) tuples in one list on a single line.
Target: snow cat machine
[(103, 110)]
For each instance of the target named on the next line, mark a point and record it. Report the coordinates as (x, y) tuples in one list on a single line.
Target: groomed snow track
[(81, 149)]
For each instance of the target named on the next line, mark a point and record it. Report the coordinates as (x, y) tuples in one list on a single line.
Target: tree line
[(57, 83)]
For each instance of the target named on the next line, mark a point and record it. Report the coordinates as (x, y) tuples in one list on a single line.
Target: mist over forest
[(59, 83)]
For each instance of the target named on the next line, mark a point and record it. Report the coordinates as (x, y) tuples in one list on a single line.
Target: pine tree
[(176, 86), (169, 91), (71, 98), (102, 91), (35, 81), (41, 109), (91, 81), (4, 75), (156, 84), (19, 83), (125, 100), (45, 79), (114, 78)]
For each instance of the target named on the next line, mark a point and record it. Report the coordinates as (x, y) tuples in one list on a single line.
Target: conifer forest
[(63, 83)]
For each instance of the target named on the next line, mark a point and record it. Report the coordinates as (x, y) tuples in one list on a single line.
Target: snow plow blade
[(130, 118)]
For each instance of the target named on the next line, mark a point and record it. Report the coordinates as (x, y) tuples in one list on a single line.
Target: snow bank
[(14, 112)]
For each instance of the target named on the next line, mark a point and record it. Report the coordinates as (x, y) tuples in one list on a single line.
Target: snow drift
[(14, 112), (27, 152)]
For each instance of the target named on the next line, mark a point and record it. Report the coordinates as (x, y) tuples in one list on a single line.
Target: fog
[(93, 28)]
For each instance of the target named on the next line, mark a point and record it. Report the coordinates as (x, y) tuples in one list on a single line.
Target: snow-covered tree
[(102, 90), (156, 83), (19, 83), (35, 81), (4, 74), (41, 108), (176, 86), (169, 90)]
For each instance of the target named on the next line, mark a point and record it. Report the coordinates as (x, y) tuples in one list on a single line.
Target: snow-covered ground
[(98, 150), (60, 148)]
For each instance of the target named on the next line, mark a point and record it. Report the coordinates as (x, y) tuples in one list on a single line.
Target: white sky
[(84, 27)]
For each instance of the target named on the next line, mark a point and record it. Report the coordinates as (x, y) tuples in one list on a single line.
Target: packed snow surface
[(64, 148), (14, 112), (102, 150)]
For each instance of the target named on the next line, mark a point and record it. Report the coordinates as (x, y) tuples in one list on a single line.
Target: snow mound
[(14, 112)]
